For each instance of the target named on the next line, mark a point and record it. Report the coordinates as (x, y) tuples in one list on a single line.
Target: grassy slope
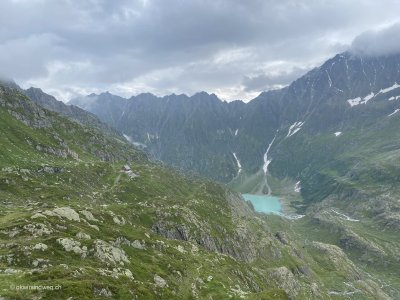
[(128, 208)]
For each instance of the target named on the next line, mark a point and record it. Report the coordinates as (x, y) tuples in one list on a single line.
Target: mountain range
[(124, 210), (228, 141)]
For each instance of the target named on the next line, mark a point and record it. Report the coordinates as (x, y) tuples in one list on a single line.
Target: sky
[(233, 48)]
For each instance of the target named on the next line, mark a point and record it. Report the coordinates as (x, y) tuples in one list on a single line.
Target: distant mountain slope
[(227, 140), (106, 106), (73, 112), (176, 129)]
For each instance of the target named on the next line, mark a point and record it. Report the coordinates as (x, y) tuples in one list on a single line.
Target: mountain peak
[(34, 89), (106, 94), (206, 96), (201, 93), (9, 83), (146, 95)]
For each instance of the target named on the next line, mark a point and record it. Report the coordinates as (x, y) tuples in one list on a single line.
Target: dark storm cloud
[(230, 47)]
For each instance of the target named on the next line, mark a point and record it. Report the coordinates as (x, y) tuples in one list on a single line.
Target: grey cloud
[(27, 57), (270, 81), (378, 42), (176, 45)]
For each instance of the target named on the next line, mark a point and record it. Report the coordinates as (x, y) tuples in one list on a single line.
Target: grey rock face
[(242, 244), (201, 133), (286, 280)]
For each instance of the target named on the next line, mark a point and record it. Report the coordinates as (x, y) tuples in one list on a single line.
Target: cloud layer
[(384, 41), (233, 48)]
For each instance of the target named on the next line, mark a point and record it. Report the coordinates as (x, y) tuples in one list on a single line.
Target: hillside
[(73, 217), (70, 111)]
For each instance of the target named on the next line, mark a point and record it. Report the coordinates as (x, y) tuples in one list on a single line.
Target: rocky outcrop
[(281, 236), (82, 236), (373, 288), (119, 220), (71, 245), (109, 253), (348, 239), (63, 213), (63, 152), (104, 293), (37, 229), (116, 273), (124, 241), (237, 246), (241, 243), (52, 170), (159, 281), (390, 220), (40, 247), (171, 230), (339, 260), (286, 280), (88, 215)]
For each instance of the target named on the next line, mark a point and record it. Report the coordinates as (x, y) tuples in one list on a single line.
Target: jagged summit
[(330, 93)]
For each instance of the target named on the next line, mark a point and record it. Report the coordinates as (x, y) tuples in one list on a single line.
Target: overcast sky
[(233, 48)]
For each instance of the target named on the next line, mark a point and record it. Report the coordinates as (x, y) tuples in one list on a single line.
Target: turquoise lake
[(264, 203)]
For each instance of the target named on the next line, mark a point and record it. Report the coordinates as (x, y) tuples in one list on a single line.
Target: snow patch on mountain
[(364, 100), (266, 160), (391, 88), (343, 216), (338, 133), (359, 100), (297, 187), (266, 164), (395, 111), (329, 77), (237, 163), (394, 98), (354, 102), (368, 97), (292, 216), (294, 128)]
